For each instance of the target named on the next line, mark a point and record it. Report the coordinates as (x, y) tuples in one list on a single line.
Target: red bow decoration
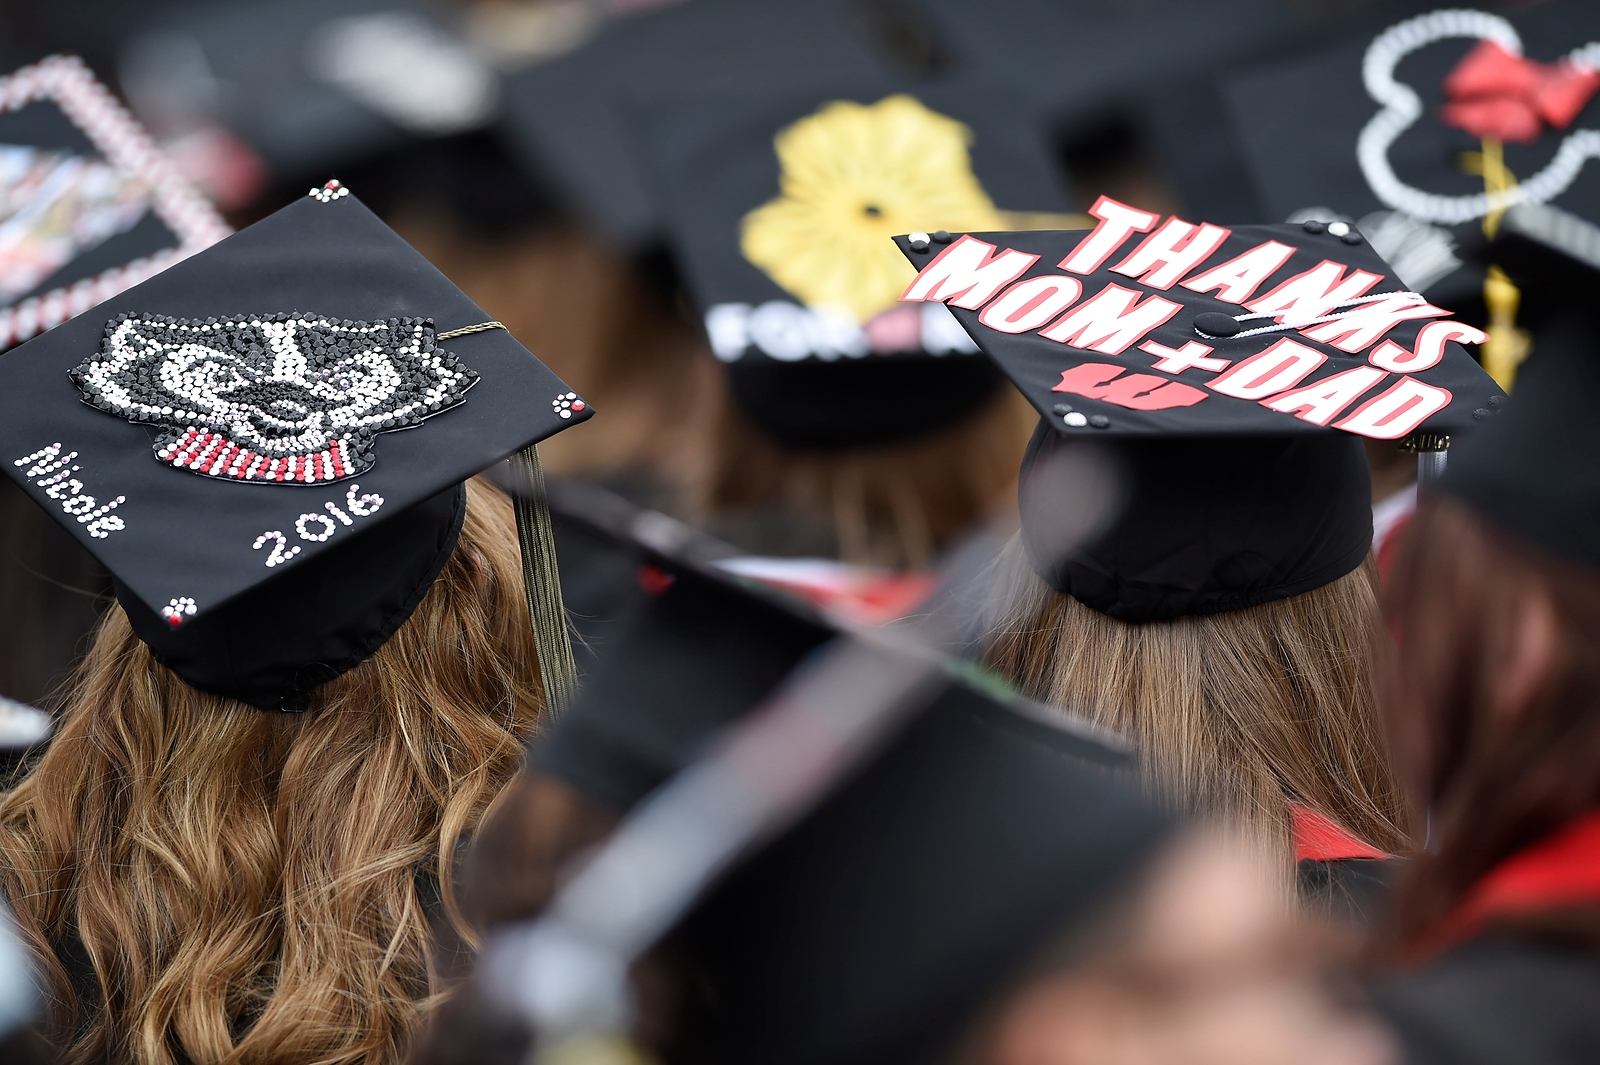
[(1493, 93)]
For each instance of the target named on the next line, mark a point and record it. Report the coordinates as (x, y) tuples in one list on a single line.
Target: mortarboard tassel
[(542, 580), (541, 577)]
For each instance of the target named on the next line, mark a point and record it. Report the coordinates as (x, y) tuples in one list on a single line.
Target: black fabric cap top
[(1535, 468), (874, 930), (266, 443), (781, 206), (695, 657), (1209, 525)]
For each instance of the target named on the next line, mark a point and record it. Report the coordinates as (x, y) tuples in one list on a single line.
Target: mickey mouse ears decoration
[(1419, 131), (1141, 327), (90, 206), (270, 438)]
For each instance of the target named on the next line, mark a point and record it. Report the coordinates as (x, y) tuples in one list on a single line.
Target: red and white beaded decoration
[(65, 81), (280, 398), (566, 404), (178, 609)]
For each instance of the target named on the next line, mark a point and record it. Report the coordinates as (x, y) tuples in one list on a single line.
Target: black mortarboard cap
[(568, 118), (90, 206), (1377, 128), (876, 928), (780, 210), (309, 85), (1219, 361), (225, 439), (1535, 469), (878, 924), (696, 648)]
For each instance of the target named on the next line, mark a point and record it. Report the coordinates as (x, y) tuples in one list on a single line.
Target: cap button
[(1100, 421), (918, 241), (942, 236), (1312, 225), (1483, 412), (1338, 229), (1216, 324), (1062, 408), (1076, 420)]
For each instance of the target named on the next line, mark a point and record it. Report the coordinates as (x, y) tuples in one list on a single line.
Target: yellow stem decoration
[(1507, 345)]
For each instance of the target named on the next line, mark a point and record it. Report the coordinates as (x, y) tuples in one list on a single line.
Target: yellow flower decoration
[(854, 175)]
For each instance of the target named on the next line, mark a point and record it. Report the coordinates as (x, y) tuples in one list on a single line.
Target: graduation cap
[(780, 209), (1220, 360), (305, 86), (922, 872), (266, 444), (1409, 128), (89, 206), (568, 119), (1535, 471)]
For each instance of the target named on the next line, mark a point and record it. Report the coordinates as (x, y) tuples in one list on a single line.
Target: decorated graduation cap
[(267, 444), (88, 206), (1410, 128), (781, 208), (1535, 471), (1223, 364)]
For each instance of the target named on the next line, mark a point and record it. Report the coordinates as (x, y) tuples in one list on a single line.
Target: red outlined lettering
[(1117, 223), (1192, 356), (1268, 372), (1110, 322), (1429, 350), (967, 274), (1314, 293), (1360, 327), (1237, 279), (1135, 391), (1027, 305), (1320, 403), (1397, 411), (1171, 251)]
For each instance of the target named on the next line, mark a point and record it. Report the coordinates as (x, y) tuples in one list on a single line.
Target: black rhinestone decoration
[(280, 398)]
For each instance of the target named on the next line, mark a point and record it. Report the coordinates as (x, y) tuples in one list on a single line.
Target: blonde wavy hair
[(244, 884), (1238, 715)]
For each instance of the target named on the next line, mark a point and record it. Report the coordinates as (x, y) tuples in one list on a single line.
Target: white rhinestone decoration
[(287, 398), (564, 405), (330, 192), (178, 609)]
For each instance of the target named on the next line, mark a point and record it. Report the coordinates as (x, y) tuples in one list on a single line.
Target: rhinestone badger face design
[(290, 398)]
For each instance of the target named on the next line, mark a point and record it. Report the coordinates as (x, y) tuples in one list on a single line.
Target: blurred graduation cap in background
[(1230, 370), (780, 209), (1536, 471), (567, 118), (225, 438), (89, 206), (277, 92), (1413, 129), (898, 837)]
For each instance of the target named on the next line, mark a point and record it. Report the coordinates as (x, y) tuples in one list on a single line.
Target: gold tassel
[(542, 582), (1507, 345)]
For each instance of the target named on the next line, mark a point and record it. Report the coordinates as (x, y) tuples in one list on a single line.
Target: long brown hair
[(1238, 714), (1492, 783), (243, 884)]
